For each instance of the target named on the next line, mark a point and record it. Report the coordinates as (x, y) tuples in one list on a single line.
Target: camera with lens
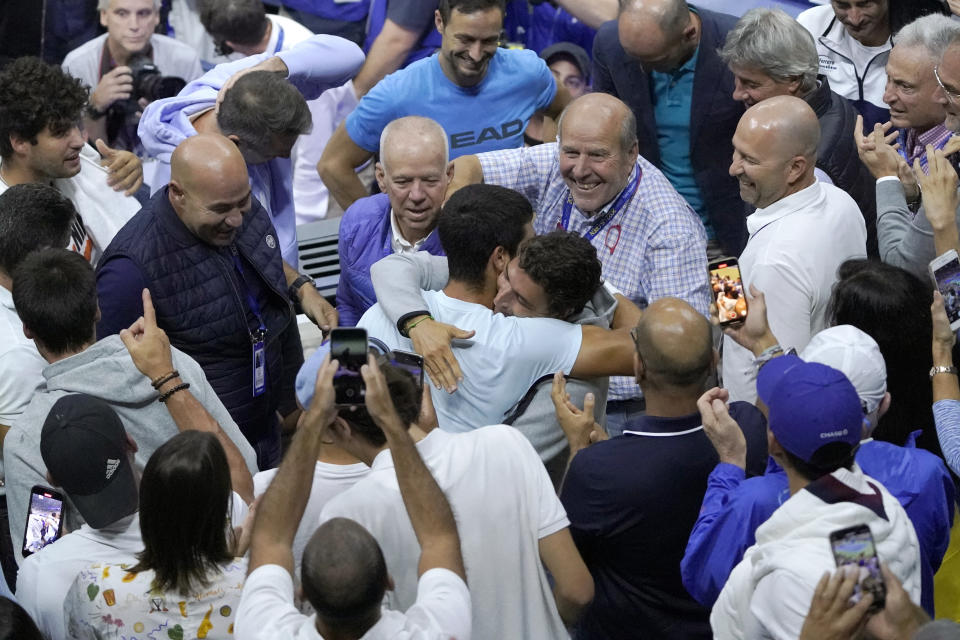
[(149, 84)]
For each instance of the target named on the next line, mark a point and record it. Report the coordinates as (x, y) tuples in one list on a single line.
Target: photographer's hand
[(117, 84)]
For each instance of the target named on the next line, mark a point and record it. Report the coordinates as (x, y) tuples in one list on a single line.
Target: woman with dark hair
[(187, 575), (15, 623), (893, 307)]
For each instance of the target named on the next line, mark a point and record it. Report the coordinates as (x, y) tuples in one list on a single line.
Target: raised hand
[(124, 169), (116, 84), (431, 339), (148, 344), (722, 430)]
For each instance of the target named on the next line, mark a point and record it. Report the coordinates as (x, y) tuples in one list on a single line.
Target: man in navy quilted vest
[(209, 254)]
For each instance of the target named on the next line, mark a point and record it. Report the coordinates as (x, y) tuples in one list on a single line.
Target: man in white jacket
[(815, 424)]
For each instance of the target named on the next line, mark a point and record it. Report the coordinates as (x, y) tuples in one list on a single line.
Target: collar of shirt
[(917, 142), (783, 207), (434, 441), (657, 424), (398, 243), (6, 299)]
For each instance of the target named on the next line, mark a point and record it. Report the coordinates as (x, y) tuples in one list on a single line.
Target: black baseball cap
[(84, 445), (570, 51)]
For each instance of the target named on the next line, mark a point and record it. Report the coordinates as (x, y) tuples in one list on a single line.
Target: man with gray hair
[(771, 54), (917, 110), (109, 64), (413, 174)]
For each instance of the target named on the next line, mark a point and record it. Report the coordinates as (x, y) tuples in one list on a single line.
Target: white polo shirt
[(266, 611), (795, 247), (46, 576)]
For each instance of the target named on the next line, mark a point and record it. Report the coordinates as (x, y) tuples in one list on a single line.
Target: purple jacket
[(365, 236)]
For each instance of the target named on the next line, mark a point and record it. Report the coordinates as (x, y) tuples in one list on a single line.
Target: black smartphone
[(726, 287), (854, 547), (44, 519), (411, 362), (349, 348)]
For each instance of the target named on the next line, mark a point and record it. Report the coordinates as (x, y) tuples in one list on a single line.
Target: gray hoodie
[(104, 371)]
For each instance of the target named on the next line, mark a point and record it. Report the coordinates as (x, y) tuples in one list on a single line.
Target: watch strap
[(296, 285), (942, 369)]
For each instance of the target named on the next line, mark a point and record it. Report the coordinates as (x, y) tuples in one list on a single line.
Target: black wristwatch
[(94, 113), (295, 287)]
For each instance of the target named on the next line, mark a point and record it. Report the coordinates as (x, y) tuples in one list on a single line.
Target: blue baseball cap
[(810, 405)]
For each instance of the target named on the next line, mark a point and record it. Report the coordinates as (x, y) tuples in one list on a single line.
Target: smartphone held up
[(726, 286), (44, 519), (853, 547), (945, 270)]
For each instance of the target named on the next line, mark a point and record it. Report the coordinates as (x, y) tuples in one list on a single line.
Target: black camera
[(149, 83)]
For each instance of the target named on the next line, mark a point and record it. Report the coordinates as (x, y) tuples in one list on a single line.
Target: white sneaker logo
[(111, 467)]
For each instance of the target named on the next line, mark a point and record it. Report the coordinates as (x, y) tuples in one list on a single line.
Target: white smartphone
[(945, 270)]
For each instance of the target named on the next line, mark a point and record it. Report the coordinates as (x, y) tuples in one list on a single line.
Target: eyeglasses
[(952, 96)]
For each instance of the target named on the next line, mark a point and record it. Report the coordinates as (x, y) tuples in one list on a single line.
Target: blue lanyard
[(605, 219), (251, 299), (279, 47)]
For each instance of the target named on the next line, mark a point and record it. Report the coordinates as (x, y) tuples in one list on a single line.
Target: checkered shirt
[(653, 248)]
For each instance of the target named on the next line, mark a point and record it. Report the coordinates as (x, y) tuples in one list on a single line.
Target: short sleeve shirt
[(266, 612), (517, 84)]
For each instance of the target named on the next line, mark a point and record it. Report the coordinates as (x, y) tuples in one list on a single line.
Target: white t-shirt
[(795, 247), (45, 577), (20, 363), (266, 612), (504, 504), (329, 480), (499, 363)]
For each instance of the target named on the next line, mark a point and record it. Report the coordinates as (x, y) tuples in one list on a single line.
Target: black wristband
[(405, 318), (173, 390), (294, 288), (94, 113)]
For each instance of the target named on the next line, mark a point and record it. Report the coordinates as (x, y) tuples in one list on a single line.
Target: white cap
[(856, 355)]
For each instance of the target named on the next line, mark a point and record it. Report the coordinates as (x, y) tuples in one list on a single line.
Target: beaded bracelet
[(162, 380), (170, 392)]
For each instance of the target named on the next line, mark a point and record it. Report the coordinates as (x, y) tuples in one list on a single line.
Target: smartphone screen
[(727, 288), (410, 362), (349, 348), (854, 547), (947, 276), (44, 519)]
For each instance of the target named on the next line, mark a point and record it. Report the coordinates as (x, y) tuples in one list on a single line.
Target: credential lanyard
[(902, 139), (257, 340), (279, 47), (601, 222)]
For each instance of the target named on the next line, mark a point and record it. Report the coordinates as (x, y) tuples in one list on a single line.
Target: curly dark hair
[(566, 266), (35, 95)]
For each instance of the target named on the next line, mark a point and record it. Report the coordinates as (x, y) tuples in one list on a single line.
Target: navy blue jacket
[(365, 236), (202, 305), (714, 116)]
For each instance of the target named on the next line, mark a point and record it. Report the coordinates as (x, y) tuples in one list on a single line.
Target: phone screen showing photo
[(726, 286), (948, 283), (854, 547), (44, 520)]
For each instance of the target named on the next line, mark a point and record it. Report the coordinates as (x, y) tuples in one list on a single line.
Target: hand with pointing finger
[(148, 344)]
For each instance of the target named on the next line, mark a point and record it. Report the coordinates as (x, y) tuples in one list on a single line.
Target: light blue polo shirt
[(672, 98)]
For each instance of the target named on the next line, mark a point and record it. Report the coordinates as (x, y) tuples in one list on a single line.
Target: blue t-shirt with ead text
[(487, 117)]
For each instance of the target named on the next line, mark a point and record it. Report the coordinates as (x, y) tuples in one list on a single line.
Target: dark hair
[(892, 306), (261, 106), (188, 474), (243, 22), (32, 216), (900, 13), (566, 266), (344, 575), (825, 460), (55, 294), (406, 395), (16, 623), (474, 222), (35, 95), (446, 7)]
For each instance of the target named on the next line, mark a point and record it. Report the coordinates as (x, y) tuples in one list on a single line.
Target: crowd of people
[(681, 367)]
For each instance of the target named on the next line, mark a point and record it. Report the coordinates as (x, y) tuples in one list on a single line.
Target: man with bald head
[(593, 182), (660, 57), (631, 521), (801, 232), (413, 174), (210, 256)]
